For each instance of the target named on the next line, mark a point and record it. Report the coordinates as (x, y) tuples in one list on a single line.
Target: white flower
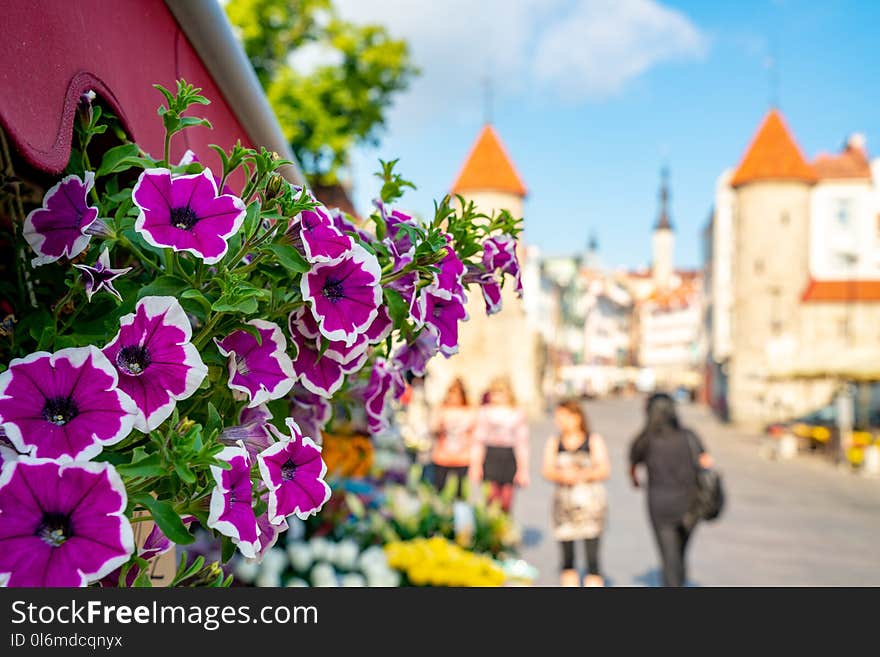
[(300, 556), (320, 548), (353, 580), (268, 580), (323, 575), (274, 562), (383, 577), (245, 570), (346, 554), (297, 583), (372, 556)]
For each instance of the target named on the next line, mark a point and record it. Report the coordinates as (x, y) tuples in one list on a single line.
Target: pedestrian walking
[(501, 444), (673, 456), (576, 460), (452, 425)]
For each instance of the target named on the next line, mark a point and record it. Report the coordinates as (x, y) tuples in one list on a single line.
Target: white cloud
[(569, 49), (600, 45)]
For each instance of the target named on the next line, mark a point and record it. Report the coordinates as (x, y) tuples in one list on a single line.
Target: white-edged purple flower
[(59, 227), (448, 279), (156, 362), (321, 240), (293, 470), (61, 523), (304, 327), (311, 412), (7, 450), (385, 380), (253, 430), (232, 504), (65, 404), (345, 226), (396, 222), (185, 213), (442, 316), (263, 371), (380, 328), (499, 254), (190, 157), (101, 275), (344, 294), (269, 533), (315, 371), (414, 356)]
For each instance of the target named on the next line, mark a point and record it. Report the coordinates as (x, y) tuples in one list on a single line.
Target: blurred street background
[(797, 523)]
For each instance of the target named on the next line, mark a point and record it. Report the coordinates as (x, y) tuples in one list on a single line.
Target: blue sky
[(591, 97)]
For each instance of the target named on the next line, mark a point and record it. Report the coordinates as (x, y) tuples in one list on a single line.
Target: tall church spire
[(663, 221)]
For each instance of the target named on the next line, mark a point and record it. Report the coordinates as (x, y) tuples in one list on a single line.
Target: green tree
[(337, 104)]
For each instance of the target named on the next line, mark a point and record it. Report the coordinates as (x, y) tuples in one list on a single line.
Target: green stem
[(167, 150), (205, 333), (128, 244), (169, 261)]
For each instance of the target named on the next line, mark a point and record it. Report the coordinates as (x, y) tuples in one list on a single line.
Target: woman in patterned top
[(577, 462), (501, 444), (452, 425)]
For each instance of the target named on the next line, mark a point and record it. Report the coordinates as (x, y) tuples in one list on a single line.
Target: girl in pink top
[(501, 444), (452, 426)]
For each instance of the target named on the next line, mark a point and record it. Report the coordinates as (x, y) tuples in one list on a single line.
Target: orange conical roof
[(488, 167), (773, 155)]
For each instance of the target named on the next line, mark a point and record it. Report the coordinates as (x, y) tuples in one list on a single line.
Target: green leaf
[(117, 159), (196, 295), (228, 303), (228, 549), (167, 519), (254, 331), (397, 308), (170, 286), (149, 466), (184, 472), (215, 422), (289, 258)]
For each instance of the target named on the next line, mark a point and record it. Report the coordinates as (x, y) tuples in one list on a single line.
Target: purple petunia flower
[(61, 524), (344, 294), (395, 221), (189, 157), (448, 279), (263, 371), (442, 316), (345, 226), (253, 430), (232, 510), (59, 228), (294, 473), (100, 276), (64, 404), (385, 380), (314, 371), (301, 323), (185, 213), (499, 254), (156, 362), (311, 412), (380, 328), (7, 449), (414, 356), (269, 533), (321, 241)]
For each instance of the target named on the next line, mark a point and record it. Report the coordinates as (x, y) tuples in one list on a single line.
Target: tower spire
[(663, 221)]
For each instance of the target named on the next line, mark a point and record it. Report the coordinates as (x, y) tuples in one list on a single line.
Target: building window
[(843, 328), (842, 212), (759, 266), (785, 218)]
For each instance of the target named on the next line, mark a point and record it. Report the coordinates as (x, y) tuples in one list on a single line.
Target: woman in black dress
[(667, 451)]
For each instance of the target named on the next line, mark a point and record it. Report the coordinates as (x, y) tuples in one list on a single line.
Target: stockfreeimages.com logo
[(209, 617)]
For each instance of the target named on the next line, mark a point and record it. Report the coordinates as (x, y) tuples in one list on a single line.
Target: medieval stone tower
[(770, 266), (503, 344)]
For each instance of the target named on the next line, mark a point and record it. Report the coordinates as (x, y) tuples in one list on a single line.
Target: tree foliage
[(329, 81)]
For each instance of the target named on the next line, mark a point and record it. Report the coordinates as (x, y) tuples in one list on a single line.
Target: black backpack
[(709, 499)]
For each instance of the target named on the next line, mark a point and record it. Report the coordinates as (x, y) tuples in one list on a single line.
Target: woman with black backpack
[(679, 492)]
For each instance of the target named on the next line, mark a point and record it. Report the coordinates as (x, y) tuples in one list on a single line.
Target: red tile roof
[(773, 155), (851, 163), (842, 291), (488, 167)]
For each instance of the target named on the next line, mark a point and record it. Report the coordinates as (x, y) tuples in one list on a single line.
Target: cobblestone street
[(800, 522)]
